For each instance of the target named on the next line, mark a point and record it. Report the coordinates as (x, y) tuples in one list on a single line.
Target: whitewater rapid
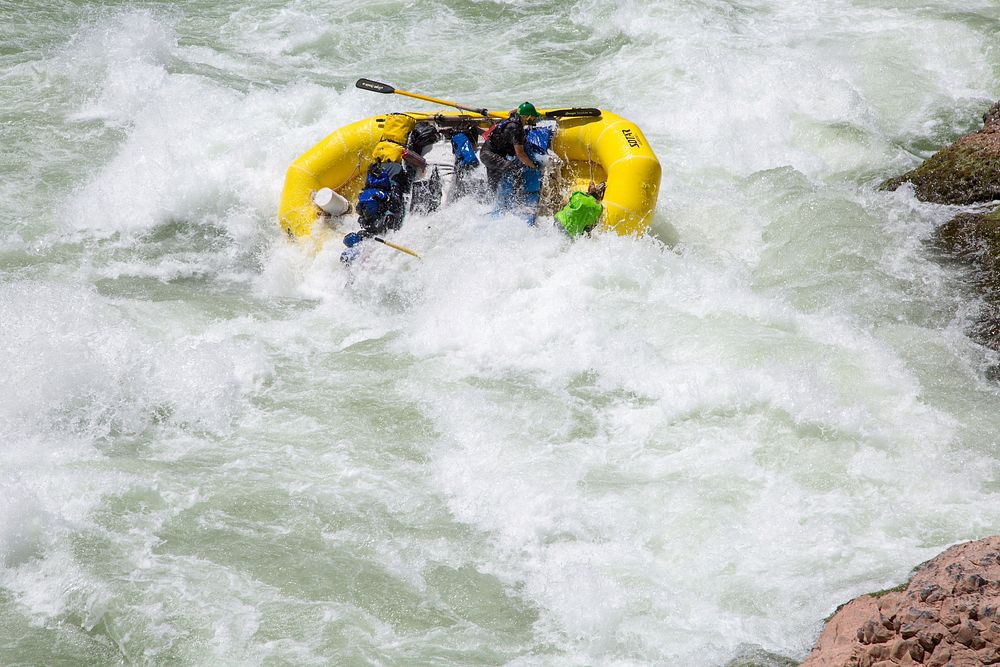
[(688, 448)]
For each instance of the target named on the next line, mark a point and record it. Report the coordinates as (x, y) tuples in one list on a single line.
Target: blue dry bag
[(465, 154), (536, 145), (537, 141)]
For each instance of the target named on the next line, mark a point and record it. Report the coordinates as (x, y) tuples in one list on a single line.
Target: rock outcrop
[(975, 238), (966, 172), (948, 615)]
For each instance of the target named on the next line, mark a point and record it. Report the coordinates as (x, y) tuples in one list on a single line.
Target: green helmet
[(527, 109)]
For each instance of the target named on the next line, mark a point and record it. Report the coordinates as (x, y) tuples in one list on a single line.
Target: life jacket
[(465, 154), (372, 204), (378, 178), (496, 140), (395, 131), (381, 196), (580, 214)]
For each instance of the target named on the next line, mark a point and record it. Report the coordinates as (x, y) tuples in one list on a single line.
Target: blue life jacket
[(380, 204), (372, 203), (465, 154), (378, 178)]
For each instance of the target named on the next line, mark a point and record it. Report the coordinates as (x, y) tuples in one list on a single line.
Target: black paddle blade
[(375, 86), (576, 112)]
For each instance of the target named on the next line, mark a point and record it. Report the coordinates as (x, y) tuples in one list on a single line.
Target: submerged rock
[(975, 237), (946, 615), (966, 172)]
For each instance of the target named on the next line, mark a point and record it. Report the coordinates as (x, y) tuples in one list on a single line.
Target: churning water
[(682, 449)]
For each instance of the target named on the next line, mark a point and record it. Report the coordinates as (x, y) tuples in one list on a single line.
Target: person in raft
[(396, 159), (506, 140), (521, 191), (583, 211)]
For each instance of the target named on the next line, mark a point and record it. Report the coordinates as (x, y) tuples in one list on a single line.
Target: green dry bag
[(580, 214)]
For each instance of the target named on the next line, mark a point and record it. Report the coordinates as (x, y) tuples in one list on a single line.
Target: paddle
[(395, 247), (576, 112), (377, 87), (354, 238), (386, 89)]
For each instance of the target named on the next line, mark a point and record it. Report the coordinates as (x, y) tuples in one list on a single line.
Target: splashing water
[(686, 448)]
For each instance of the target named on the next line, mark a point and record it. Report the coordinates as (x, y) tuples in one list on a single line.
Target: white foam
[(659, 453)]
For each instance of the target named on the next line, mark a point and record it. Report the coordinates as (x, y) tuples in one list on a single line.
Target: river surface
[(220, 448)]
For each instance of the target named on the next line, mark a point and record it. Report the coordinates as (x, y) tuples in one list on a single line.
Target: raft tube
[(606, 148)]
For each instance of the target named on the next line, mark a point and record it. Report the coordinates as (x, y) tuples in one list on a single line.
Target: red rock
[(963, 657), (940, 658), (968, 635), (970, 583), (875, 633), (989, 656), (930, 640), (898, 649), (951, 620), (879, 652), (936, 596), (932, 622)]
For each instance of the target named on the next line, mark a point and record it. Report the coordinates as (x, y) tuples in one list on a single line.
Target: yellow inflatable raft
[(604, 148)]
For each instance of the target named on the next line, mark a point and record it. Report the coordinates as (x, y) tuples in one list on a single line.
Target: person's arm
[(523, 157)]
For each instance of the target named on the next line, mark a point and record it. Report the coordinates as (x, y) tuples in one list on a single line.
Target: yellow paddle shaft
[(425, 98), (396, 247)]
